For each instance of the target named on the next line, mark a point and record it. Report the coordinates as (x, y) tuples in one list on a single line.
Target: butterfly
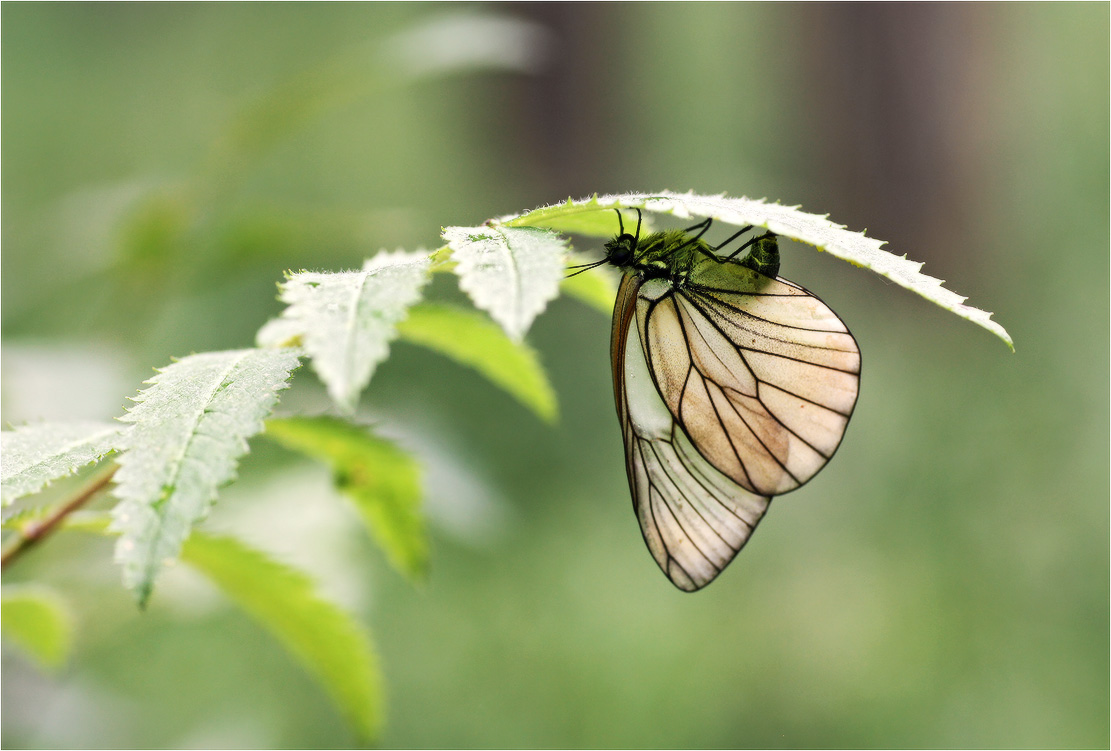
[(733, 385)]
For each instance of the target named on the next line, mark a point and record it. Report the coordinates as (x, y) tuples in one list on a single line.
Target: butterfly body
[(731, 386)]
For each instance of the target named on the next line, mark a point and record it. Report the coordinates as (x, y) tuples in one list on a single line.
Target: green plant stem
[(37, 530)]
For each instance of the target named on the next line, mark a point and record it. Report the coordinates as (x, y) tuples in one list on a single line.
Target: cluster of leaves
[(186, 433)]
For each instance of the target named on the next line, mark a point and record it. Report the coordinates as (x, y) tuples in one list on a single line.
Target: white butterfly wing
[(694, 519), (760, 374)]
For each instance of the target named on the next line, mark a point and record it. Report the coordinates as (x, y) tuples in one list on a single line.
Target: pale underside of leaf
[(346, 320), (329, 643), (187, 433), (35, 455), (510, 272), (787, 221)]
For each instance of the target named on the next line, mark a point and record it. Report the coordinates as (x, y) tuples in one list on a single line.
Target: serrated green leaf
[(509, 272), (787, 221), (471, 339), (558, 213), (328, 642), (187, 433), (346, 320), (34, 455), (596, 287), (37, 620), (380, 479), (575, 221)]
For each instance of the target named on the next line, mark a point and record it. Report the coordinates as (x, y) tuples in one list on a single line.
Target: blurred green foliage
[(943, 583)]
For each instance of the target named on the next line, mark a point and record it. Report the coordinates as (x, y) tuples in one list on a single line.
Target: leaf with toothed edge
[(187, 432), (35, 455), (510, 272), (787, 221), (346, 320)]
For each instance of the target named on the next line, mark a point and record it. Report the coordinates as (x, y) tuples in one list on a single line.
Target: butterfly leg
[(703, 225), (763, 258), (733, 237), (712, 252)]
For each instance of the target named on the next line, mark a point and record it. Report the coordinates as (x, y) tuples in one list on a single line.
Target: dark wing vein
[(707, 490), (800, 397), (713, 403), (702, 480), (693, 296), (756, 435), (781, 423), (717, 415), (787, 385), (675, 492)]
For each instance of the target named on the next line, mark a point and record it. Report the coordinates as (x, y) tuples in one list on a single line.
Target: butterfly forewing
[(760, 374), (694, 519)]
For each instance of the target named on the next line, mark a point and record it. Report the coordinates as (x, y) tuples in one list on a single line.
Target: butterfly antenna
[(584, 267), (589, 265)]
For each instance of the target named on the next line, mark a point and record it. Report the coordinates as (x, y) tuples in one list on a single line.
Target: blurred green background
[(944, 582)]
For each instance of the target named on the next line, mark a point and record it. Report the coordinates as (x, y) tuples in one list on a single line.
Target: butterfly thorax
[(659, 255)]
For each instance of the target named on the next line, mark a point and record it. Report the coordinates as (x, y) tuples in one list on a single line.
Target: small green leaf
[(34, 455), (37, 619), (471, 339), (596, 287), (380, 479), (187, 433), (586, 212), (328, 642), (346, 320), (570, 217), (786, 221), (511, 273)]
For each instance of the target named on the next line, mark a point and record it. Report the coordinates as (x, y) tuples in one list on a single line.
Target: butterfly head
[(621, 251)]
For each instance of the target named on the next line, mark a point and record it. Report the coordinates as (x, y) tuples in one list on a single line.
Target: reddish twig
[(36, 531)]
